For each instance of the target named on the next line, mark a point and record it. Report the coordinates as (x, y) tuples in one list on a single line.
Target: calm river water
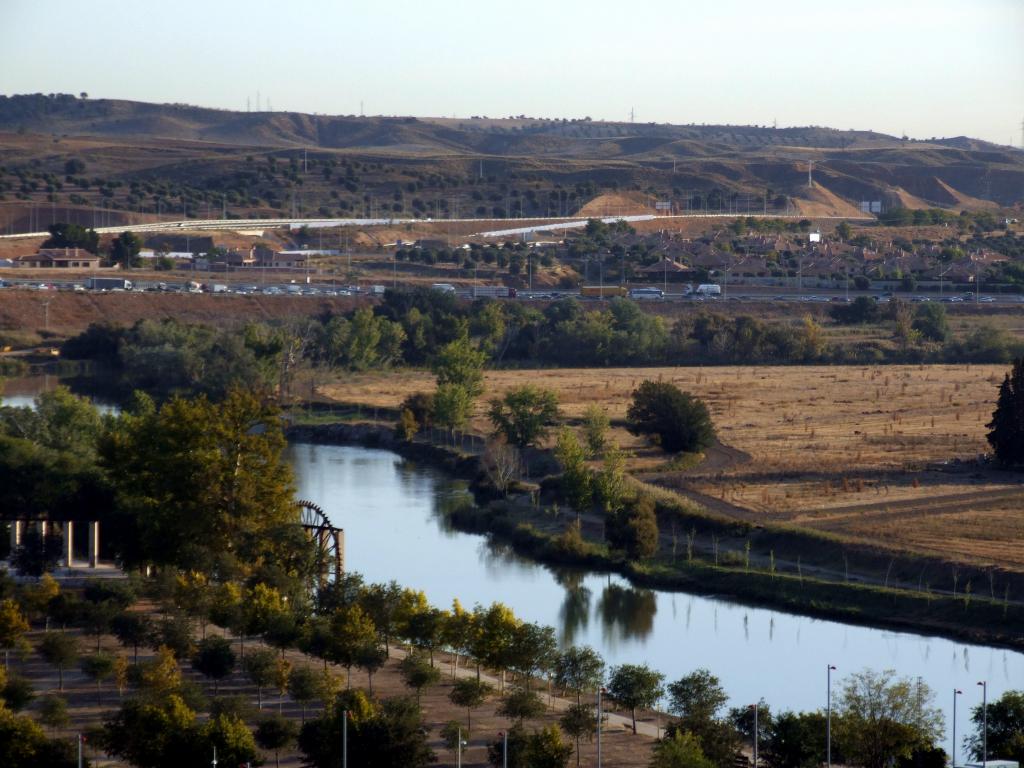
[(389, 506)]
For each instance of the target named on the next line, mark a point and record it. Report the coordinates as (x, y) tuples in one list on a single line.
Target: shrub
[(678, 421)]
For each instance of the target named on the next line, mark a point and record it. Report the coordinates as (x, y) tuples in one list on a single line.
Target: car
[(986, 300), (954, 300)]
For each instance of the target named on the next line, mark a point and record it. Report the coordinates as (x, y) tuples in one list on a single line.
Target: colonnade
[(67, 535)]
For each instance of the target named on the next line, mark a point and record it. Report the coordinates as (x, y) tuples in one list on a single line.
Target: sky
[(920, 67)]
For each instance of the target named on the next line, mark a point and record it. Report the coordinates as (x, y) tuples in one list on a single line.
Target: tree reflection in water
[(574, 615), (627, 613)]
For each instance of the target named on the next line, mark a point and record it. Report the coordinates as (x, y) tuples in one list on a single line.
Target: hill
[(150, 159)]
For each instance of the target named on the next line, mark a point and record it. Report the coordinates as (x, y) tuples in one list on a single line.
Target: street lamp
[(828, 721), (458, 748), (214, 762), (504, 749), (600, 690), (754, 707), (344, 738), (953, 753), (984, 721)]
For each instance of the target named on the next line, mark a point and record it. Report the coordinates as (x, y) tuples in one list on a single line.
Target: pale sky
[(924, 67)]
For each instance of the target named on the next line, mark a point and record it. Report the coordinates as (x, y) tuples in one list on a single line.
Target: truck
[(108, 284), (492, 292), (216, 288), (443, 287), (193, 287), (602, 291), (708, 289), (377, 290)]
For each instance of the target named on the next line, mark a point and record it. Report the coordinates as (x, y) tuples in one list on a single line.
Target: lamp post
[(458, 748), (504, 749), (953, 753), (600, 690), (214, 762), (828, 719), (984, 721), (754, 707), (344, 738)]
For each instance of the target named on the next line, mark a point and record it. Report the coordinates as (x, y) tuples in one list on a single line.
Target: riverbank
[(801, 587)]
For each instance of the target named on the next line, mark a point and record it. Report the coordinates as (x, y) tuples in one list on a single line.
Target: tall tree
[(1007, 426), (1005, 720), (635, 686), (884, 718), (124, 250), (524, 414)]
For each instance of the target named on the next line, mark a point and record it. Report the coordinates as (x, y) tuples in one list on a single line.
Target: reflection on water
[(626, 613), (391, 510)]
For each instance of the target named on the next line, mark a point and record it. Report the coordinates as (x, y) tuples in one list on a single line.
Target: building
[(59, 258)]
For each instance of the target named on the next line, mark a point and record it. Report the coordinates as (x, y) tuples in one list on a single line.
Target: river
[(389, 508)]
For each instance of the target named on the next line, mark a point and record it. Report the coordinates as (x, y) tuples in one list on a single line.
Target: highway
[(279, 287), (569, 222)]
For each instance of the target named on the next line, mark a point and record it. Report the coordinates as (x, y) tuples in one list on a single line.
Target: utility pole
[(810, 180), (984, 721), (599, 691), (953, 752), (828, 720), (344, 738)]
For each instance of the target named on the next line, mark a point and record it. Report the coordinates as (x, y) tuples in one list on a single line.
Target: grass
[(857, 453)]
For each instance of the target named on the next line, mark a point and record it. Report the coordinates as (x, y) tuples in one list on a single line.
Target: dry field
[(862, 451)]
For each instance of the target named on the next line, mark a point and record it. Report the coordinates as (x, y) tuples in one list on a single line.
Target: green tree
[(634, 528), (232, 738), (520, 705), (370, 657), (389, 736), (53, 711), (275, 733), (610, 482), (1005, 719), (260, 667), (203, 486), (352, 630), (24, 744), (459, 363), (59, 650), (697, 699), (17, 693), (578, 721), (796, 740), (214, 659), (677, 420), (679, 750), (98, 667), (595, 429), (305, 686), (13, 628), (132, 629), (1006, 434), (524, 414), (124, 250), (418, 672), (546, 748), (844, 231), (931, 322), (579, 669), (635, 686), (882, 718), (151, 734), (577, 481), (72, 236), (452, 407), (469, 693)]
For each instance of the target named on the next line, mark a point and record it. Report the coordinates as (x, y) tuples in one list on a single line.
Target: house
[(59, 258), (667, 269), (267, 257)]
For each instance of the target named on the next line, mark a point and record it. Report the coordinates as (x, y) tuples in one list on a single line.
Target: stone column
[(67, 540), (339, 552), (94, 544)]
